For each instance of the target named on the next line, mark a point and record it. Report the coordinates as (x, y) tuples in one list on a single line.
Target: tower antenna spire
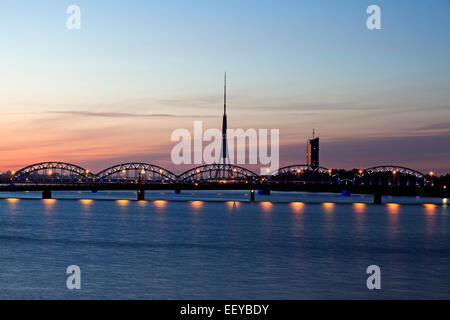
[(225, 94), (224, 124)]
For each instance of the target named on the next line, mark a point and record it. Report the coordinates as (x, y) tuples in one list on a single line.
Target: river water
[(284, 246)]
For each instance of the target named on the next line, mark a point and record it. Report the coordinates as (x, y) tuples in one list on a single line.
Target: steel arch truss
[(395, 169), (301, 173), (295, 169), (134, 172), (224, 173), (54, 172), (393, 176)]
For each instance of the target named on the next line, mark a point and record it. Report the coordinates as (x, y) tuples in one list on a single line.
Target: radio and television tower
[(224, 123)]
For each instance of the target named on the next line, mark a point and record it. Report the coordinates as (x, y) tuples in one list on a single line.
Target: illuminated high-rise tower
[(312, 158)]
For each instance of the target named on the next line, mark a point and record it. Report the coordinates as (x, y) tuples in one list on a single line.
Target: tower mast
[(224, 123)]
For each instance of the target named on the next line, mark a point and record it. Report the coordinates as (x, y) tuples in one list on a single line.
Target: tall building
[(312, 158)]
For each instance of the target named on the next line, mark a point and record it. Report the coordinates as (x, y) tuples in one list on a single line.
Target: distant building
[(312, 158)]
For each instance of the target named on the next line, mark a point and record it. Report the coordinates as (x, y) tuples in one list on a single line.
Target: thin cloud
[(126, 114)]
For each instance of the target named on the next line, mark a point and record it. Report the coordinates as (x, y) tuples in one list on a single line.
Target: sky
[(116, 89)]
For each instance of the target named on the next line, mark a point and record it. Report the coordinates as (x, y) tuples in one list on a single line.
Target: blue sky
[(292, 65)]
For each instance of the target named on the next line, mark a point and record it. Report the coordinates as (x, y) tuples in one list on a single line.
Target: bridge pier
[(141, 194), (252, 195), (46, 194), (377, 197)]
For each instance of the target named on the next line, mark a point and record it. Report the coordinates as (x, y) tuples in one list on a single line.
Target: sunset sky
[(115, 90)]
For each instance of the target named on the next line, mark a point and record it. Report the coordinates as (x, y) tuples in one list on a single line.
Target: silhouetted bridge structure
[(60, 176)]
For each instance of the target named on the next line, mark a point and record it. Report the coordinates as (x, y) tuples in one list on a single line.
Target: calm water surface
[(302, 246)]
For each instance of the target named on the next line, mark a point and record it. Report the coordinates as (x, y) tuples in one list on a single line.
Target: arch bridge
[(218, 173), (53, 172), (392, 175), (301, 174)]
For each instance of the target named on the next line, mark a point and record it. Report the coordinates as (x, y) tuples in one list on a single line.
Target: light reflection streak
[(266, 206), (123, 203), (430, 208), (160, 203), (359, 207), (233, 204), (297, 207), (197, 204)]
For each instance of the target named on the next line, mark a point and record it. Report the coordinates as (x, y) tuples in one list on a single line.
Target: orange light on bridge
[(431, 173), (50, 172), (360, 172), (394, 172), (330, 171)]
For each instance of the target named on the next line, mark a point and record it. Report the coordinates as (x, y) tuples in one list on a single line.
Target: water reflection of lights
[(328, 206), (232, 204), (12, 200), (430, 208), (267, 206), (122, 203), (197, 204), (160, 203), (86, 201), (359, 207), (297, 207), (444, 201), (393, 208)]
